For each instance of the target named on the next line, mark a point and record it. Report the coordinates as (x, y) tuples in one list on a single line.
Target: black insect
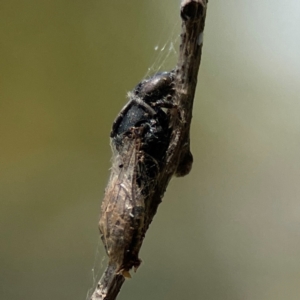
[(140, 138), (145, 110)]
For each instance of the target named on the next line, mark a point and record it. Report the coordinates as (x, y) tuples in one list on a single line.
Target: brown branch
[(178, 159)]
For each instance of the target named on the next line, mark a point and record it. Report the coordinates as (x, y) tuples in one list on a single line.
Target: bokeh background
[(229, 230)]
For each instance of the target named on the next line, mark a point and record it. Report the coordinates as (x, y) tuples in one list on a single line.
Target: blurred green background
[(229, 230)]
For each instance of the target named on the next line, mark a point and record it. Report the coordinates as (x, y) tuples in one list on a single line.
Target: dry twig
[(123, 223)]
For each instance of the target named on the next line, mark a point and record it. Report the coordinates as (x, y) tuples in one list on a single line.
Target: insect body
[(139, 138)]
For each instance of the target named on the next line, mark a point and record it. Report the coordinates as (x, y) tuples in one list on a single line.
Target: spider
[(146, 110)]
